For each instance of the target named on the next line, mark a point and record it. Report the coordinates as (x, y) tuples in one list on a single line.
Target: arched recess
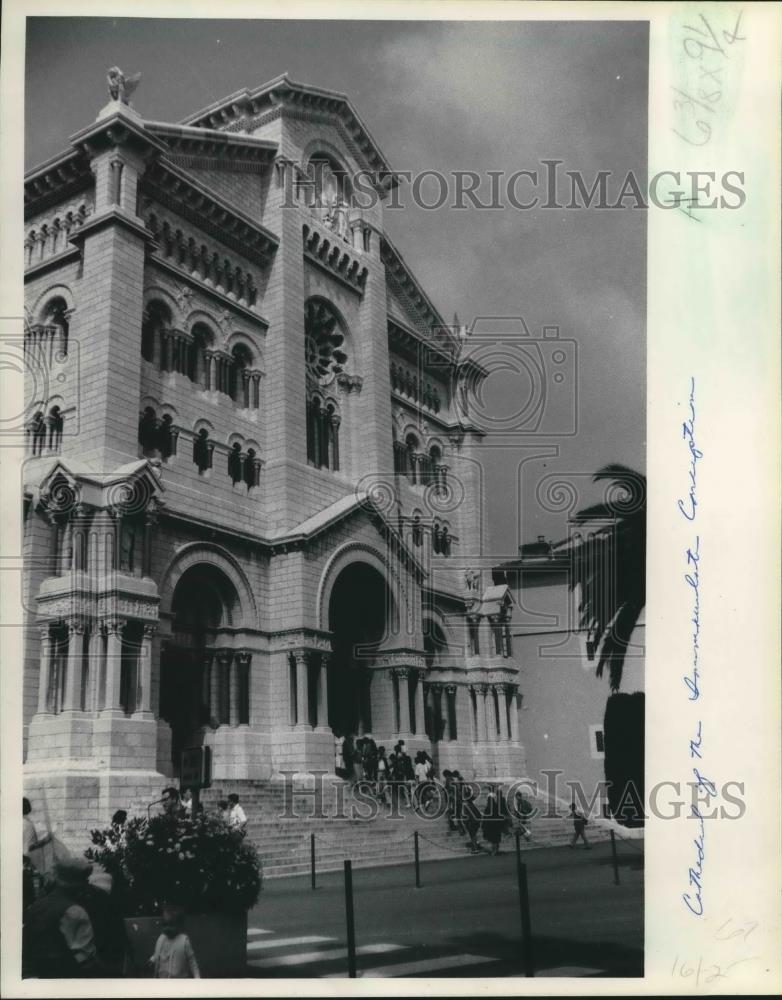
[(346, 555), (55, 292), (243, 613)]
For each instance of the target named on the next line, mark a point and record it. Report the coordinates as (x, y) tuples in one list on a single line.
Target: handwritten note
[(693, 898)]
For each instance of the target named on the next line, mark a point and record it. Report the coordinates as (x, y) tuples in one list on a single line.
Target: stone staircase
[(282, 819)]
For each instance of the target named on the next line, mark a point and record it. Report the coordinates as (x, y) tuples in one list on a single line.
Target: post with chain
[(614, 858), (312, 859), (526, 925), (417, 860)]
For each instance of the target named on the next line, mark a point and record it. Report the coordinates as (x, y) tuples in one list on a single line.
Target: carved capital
[(114, 626), (224, 657), (243, 657), (150, 628), (450, 689)]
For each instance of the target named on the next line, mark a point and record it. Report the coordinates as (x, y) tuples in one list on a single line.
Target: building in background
[(252, 499), (563, 702)]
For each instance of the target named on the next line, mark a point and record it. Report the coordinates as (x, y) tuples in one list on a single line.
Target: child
[(174, 957)]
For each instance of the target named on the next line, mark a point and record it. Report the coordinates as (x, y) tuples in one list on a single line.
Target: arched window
[(418, 531), (251, 469), (55, 422), (235, 462), (202, 451), (198, 364), (239, 379), (147, 431), (411, 448), (325, 360), (36, 433), (433, 462), (157, 319), (56, 315)]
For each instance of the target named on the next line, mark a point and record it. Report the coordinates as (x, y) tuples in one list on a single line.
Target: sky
[(443, 96)]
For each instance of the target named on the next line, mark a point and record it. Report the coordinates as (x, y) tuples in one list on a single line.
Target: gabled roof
[(324, 520), (244, 108)]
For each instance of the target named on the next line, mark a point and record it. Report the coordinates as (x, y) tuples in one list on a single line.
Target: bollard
[(312, 859), (615, 858), (526, 927), (417, 861), (351, 926)]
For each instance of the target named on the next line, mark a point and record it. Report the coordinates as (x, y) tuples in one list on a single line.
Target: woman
[(493, 821)]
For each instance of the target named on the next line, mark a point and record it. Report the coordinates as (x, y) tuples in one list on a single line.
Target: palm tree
[(609, 565)]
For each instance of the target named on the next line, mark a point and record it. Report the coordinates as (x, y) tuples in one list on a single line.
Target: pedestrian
[(222, 810), (187, 803), (382, 773), (105, 912), (58, 940), (471, 823), (348, 750), (339, 763), (119, 819), (370, 759), (30, 839), (174, 957), (422, 768), (579, 827), (493, 821), (406, 774), (358, 761), (172, 807), (237, 819)]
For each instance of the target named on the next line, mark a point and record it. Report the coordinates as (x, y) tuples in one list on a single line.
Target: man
[(58, 941), (237, 819), (579, 827), (172, 807)]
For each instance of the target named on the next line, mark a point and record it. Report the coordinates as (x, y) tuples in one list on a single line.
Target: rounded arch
[(347, 555), (44, 300), (244, 613), (238, 338), (154, 293)]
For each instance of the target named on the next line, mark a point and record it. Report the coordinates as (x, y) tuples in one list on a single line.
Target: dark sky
[(444, 96)]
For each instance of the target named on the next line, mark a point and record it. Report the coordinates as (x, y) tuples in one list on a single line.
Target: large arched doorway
[(359, 608), (202, 606)]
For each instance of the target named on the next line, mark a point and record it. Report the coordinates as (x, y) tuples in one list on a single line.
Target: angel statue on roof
[(120, 86)]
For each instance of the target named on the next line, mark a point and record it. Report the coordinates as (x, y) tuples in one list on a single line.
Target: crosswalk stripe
[(324, 955), (256, 931), (418, 968), (569, 970), (286, 942)]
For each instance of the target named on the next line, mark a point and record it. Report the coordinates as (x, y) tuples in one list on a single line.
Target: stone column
[(243, 686), (503, 693), (514, 713), (480, 703), (450, 697), (224, 657), (323, 691), (302, 690), (44, 677), (402, 674), (113, 665), (144, 672), (95, 662), (72, 701), (420, 715), (207, 694)]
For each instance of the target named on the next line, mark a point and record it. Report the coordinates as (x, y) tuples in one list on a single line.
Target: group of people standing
[(393, 774)]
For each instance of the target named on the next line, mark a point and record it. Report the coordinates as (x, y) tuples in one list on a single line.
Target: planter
[(219, 941)]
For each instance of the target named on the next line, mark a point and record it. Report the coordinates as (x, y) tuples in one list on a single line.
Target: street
[(463, 921)]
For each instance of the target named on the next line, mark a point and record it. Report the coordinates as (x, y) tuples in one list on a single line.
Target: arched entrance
[(360, 605), (202, 606)]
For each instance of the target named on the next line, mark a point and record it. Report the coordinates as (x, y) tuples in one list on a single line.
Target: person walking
[(382, 774), (339, 763), (187, 803), (493, 821), (579, 827), (237, 818), (58, 939)]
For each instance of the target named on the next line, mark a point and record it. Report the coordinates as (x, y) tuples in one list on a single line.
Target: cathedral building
[(253, 513)]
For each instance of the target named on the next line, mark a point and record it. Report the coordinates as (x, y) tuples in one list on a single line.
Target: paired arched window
[(44, 432), (441, 539), (325, 360), (157, 436), (244, 467)]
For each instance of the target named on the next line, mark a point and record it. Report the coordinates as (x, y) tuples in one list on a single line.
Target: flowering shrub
[(200, 863)]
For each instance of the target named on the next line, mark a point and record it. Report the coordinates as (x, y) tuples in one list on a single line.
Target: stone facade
[(253, 508)]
